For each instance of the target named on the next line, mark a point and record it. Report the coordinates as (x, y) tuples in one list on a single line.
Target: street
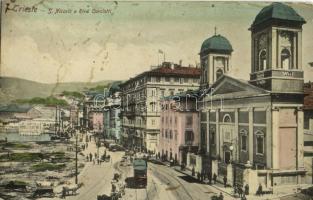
[(163, 182)]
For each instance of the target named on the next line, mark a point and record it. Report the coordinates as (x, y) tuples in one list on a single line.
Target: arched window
[(219, 73), (262, 64), (285, 59), (259, 142), (227, 119), (244, 139)]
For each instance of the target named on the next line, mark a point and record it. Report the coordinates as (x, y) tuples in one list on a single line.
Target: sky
[(124, 39)]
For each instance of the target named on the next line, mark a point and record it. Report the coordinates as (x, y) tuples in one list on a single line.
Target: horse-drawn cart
[(43, 192)]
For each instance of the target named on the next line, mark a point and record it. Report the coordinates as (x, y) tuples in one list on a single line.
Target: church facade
[(252, 131)]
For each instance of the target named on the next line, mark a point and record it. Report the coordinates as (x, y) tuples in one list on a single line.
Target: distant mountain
[(16, 88)]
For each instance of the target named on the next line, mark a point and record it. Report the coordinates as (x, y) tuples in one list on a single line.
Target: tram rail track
[(172, 176)]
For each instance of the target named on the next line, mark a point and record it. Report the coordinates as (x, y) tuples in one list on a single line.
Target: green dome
[(217, 44), (278, 11)]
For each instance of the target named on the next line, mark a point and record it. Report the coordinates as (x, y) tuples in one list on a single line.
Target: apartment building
[(141, 101)]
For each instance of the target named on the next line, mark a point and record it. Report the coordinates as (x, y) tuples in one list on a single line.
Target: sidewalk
[(230, 191)]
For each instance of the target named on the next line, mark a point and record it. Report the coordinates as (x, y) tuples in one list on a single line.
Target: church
[(252, 131)]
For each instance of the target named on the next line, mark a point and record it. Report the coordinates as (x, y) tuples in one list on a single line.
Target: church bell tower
[(276, 43), (215, 57)]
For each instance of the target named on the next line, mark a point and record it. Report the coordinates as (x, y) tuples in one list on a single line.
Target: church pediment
[(228, 88), (227, 85)]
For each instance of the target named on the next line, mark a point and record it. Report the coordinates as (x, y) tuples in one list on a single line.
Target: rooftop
[(278, 11), (16, 108), (169, 69), (216, 44)]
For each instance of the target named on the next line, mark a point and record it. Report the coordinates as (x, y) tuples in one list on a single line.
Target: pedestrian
[(235, 189), (63, 193), (214, 178), (113, 187), (260, 190), (90, 156), (87, 157), (98, 161), (246, 189), (210, 177), (240, 191), (193, 171), (225, 181), (221, 197), (198, 176), (202, 176)]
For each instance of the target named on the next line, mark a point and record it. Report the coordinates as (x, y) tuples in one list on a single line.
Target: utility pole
[(56, 120), (98, 144), (76, 167)]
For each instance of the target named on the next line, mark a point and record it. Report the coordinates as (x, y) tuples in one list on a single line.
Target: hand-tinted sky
[(118, 45)]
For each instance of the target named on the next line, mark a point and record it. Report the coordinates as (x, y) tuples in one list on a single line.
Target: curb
[(216, 187)]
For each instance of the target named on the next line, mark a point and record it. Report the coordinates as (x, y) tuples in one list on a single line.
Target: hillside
[(16, 88)]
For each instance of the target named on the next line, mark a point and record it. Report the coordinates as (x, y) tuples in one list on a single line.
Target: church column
[(208, 131), (275, 140), (268, 137), (299, 50), (273, 64), (236, 134), (211, 70), (251, 145), (218, 134), (300, 139), (208, 70), (278, 51), (252, 54), (294, 51)]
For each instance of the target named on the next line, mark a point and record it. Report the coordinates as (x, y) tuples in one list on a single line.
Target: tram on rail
[(140, 172)]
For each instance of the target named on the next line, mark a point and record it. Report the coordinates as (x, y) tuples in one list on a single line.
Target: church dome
[(216, 44), (279, 12)]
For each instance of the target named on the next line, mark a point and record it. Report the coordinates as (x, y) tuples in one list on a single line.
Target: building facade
[(308, 131), (178, 127), (252, 131), (140, 101), (112, 117)]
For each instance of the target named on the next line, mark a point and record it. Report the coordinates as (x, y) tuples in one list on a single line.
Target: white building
[(140, 101)]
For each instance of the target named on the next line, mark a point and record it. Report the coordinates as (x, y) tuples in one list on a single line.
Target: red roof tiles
[(176, 70)]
